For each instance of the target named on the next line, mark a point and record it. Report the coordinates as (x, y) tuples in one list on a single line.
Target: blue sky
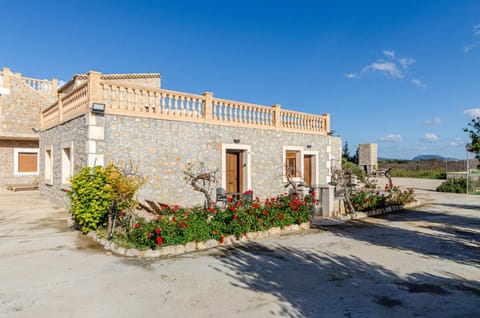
[(403, 74)]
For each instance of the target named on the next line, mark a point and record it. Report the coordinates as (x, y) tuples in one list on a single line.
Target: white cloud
[(419, 83), (391, 138), (435, 121), (392, 67), (388, 68), (469, 47), (476, 32), (406, 62), (430, 137), (476, 29), (390, 54), (472, 112), (457, 142), (351, 75)]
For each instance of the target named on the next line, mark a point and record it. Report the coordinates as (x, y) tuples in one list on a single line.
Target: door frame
[(314, 172), (246, 153)]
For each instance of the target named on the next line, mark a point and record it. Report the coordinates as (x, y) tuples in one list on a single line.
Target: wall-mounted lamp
[(309, 146), (236, 141), (98, 108)]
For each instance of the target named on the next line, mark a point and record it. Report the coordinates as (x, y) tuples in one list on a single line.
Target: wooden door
[(307, 170), (234, 171)]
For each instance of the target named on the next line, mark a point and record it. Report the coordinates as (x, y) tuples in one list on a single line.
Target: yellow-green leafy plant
[(96, 190)]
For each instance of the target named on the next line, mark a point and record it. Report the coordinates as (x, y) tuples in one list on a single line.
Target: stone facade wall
[(57, 137), (161, 149), (7, 162), (20, 110)]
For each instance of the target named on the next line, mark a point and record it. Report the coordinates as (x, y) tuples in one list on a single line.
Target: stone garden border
[(388, 209), (172, 250)]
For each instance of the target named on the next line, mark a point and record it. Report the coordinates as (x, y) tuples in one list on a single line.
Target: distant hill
[(430, 157)]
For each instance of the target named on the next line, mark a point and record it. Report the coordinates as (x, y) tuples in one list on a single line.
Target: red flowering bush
[(367, 200), (180, 226)]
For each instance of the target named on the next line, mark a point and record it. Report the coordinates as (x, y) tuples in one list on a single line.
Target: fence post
[(60, 107), (93, 87), (277, 118), (54, 87), (207, 106)]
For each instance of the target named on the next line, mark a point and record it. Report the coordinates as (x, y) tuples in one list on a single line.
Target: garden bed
[(172, 250)]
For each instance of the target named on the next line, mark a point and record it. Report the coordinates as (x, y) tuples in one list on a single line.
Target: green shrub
[(94, 189), (453, 185)]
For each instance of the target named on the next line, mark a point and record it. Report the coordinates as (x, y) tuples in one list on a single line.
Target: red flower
[(265, 212), (235, 216), (157, 230), (214, 232), (174, 220), (231, 208), (222, 239), (135, 226), (255, 205), (186, 225), (149, 235), (160, 217), (159, 240), (229, 199), (181, 224), (211, 209), (299, 219), (248, 192)]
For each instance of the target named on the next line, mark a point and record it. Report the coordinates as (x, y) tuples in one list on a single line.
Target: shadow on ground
[(315, 284), (456, 238)]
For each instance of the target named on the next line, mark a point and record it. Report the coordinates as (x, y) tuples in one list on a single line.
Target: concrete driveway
[(423, 263)]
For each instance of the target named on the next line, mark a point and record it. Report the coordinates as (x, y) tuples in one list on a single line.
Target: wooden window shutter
[(27, 162)]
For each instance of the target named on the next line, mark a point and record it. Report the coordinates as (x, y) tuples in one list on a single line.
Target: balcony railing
[(138, 101)]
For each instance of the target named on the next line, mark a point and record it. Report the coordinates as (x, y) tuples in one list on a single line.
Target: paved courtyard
[(424, 263)]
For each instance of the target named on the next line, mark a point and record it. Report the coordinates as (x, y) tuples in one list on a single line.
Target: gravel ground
[(424, 262)]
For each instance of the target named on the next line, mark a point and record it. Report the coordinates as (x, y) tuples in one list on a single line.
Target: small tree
[(201, 179), (474, 134)]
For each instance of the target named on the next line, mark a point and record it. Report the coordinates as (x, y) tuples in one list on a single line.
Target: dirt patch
[(85, 243)]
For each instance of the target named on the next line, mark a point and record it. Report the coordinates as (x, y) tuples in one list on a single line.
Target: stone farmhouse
[(98, 119), (21, 102)]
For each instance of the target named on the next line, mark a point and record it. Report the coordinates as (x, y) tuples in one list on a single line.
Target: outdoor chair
[(222, 196), (247, 196)]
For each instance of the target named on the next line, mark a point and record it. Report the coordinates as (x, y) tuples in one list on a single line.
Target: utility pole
[(446, 167), (466, 174)]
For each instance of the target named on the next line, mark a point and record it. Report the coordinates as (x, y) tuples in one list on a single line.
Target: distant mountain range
[(430, 157), (419, 158)]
